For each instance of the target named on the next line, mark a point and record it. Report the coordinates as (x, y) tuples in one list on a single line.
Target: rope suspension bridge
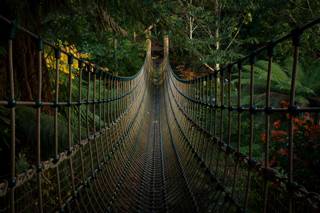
[(157, 146)]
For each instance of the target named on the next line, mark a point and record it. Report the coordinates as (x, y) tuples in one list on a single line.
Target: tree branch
[(236, 33)]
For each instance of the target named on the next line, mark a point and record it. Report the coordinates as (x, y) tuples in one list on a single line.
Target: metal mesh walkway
[(156, 146)]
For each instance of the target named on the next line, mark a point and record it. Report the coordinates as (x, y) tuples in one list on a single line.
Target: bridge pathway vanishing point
[(155, 148)]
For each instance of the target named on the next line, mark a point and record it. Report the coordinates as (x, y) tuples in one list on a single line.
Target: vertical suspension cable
[(229, 103), (69, 104), (87, 181), (296, 41), (210, 121), (80, 65), (56, 104), (11, 104), (38, 106)]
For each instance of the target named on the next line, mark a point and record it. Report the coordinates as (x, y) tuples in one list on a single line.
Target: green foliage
[(307, 82), (80, 29), (5, 123), (129, 54), (21, 164), (3, 51), (28, 126)]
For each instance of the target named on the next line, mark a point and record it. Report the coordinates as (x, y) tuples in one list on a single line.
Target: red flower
[(277, 134), (282, 151), (277, 124), (296, 120), (285, 105), (263, 137)]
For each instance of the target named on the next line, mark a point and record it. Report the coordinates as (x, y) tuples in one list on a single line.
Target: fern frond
[(313, 76), (288, 65), (301, 99), (306, 91)]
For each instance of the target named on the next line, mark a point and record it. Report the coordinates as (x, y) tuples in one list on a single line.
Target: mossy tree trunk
[(25, 56)]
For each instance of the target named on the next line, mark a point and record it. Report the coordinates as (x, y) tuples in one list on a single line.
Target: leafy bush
[(306, 146), (27, 125)]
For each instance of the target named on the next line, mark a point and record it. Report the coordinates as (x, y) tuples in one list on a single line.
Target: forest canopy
[(203, 33)]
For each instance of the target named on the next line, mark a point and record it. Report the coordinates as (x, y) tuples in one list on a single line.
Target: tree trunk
[(190, 34), (115, 55), (217, 29), (190, 31), (25, 57)]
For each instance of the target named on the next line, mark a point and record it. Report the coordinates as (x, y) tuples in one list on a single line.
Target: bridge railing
[(206, 103), (106, 117)]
